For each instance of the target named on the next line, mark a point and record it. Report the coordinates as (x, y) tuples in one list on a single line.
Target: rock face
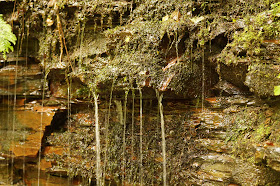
[(22, 79), (23, 122), (262, 78), (202, 147), (216, 69), (22, 130)]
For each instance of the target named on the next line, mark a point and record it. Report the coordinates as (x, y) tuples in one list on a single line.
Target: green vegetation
[(6, 37), (161, 44), (276, 90), (253, 127), (258, 30)]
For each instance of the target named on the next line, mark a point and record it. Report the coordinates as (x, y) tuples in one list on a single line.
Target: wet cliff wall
[(215, 62)]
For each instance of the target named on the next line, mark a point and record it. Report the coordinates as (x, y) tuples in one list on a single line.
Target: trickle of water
[(124, 130), (14, 106), (69, 84), (97, 135), (41, 127), (81, 44), (132, 133), (106, 130), (160, 96), (141, 136), (25, 97), (203, 81)]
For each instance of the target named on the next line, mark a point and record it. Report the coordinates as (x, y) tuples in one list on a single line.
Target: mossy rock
[(262, 78)]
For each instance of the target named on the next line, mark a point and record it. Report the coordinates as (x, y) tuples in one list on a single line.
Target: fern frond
[(7, 38)]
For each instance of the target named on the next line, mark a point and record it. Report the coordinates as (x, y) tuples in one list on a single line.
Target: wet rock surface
[(213, 145), (22, 79), (22, 130), (190, 51), (262, 78), (198, 146)]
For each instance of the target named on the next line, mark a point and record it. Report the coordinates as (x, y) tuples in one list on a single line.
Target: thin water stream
[(124, 137), (141, 136), (98, 148), (163, 143), (107, 131), (155, 147)]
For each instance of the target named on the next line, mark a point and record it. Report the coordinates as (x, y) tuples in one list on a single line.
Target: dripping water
[(6, 127), (8, 120), (41, 125), (25, 96), (69, 84), (160, 96), (203, 81), (97, 136), (132, 134), (106, 130), (141, 136), (120, 112), (46, 71), (81, 44), (124, 141), (14, 107)]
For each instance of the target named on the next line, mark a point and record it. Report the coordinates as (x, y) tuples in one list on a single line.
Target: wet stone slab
[(23, 79), (22, 131)]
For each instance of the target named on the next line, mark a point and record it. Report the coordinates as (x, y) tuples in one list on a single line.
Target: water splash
[(160, 96)]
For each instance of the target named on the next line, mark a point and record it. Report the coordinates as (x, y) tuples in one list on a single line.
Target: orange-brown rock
[(35, 120), (19, 102), (21, 80), (45, 164), (33, 125), (53, 150), (30, 147)]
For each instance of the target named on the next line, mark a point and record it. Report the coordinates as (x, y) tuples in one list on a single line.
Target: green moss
[(264, 26), (262, 131), (253, 127), (82, 92)]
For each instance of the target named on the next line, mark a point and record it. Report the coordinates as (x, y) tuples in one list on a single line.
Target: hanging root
[(62, 42)]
